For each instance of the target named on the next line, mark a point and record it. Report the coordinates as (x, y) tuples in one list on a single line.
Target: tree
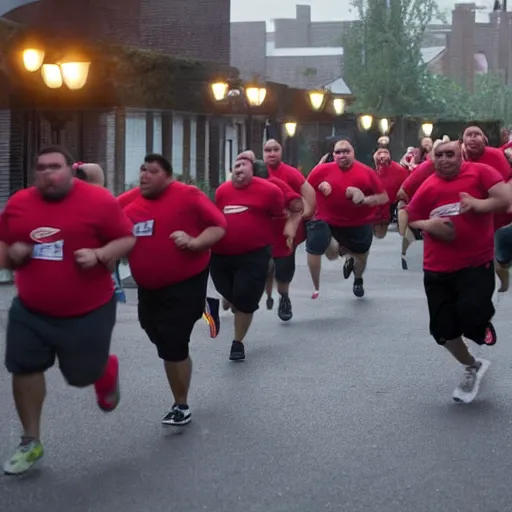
[(382, 54), (490, 99)]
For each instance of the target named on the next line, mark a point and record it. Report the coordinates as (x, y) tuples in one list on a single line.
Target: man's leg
[(269, 286), (83, 351), (284, 272), (27, 357), (442, 293), (380, 230), (248, 288), (503, 251), (317, 243)]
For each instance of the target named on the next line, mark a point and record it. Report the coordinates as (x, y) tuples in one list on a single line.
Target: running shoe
[(107, 387), (25, 456)]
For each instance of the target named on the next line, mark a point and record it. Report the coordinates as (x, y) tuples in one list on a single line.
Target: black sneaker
[(284, 311), (178, 416), (404, 263), (270, 303), (237, 351), (348, 267), (358, 288)]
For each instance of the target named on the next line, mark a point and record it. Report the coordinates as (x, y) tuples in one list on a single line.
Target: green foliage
[(382, 54), (491, 99)]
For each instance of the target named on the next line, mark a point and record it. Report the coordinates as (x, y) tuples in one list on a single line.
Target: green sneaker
[(25, 456)]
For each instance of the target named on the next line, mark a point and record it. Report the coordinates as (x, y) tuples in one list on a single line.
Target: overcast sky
[(321, 10)]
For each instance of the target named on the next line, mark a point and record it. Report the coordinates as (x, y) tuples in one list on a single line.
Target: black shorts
[(356, 240), (81, 344), (284, 268), (168, 315), (241, 279), (460, 303)]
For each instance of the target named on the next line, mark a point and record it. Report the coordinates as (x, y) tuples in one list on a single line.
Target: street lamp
[(384, 126), (73, 74), (291, 129), (316, 99), (33, 59), (366, 122), (220, 90), (427, 129), (339, 106), (255, 95), (52, 77)]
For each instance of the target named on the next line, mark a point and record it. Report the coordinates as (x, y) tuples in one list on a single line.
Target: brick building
[(118, 137), (306, 53)]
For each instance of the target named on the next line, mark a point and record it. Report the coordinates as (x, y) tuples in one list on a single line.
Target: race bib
[(53, 251), (446, 210), (143, 228)]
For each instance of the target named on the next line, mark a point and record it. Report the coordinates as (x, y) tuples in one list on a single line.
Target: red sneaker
[(107, 387)]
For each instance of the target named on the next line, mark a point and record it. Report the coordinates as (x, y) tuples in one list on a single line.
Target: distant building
[(304, 53)]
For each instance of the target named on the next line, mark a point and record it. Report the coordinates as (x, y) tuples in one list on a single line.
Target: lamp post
[(252, 96), (72, 73)]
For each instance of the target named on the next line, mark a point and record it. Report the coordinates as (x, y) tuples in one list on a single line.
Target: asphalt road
[(346, 408)]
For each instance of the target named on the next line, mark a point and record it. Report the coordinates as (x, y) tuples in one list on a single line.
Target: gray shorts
[(81, 344)]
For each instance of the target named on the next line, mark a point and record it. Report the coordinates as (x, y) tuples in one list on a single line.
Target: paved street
[(347, 408)]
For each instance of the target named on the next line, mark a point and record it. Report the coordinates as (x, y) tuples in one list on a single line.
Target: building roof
[(272, 51), (338, 87), (430, 53)]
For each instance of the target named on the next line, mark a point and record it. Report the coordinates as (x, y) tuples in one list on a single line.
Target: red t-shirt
[(474, 232), (52, 283), (250, 213), (495, 158), (291, 176), (280, 249), (156, 261), (336, 209), (127, 197), (417, 177), (392, 177), (295, 179)]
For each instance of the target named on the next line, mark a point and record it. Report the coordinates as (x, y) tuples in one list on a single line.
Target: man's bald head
[(272, 153), (474, 140), (344, 154), (94, 173), (448, 159)]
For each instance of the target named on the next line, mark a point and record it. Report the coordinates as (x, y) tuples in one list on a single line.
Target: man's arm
[(309, 199)]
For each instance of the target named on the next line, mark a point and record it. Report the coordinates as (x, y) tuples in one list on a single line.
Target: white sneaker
[(469, 385)]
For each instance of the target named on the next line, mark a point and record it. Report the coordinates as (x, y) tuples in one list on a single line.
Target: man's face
[(426, 144), (53, 176), (272, 153), (474, 139), (242, 173), (343, 154), (153, 179), (448, 159), (382, 156)]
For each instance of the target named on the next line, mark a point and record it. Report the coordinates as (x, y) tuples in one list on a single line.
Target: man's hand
[(355, 194), (181, 239), (86, 258), (441, 228), (185, 241), (325, 188), (20, 253), (467, 203)]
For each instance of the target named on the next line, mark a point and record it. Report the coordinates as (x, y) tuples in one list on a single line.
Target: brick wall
[(195, 29)]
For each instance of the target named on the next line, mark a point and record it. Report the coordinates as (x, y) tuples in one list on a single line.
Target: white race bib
[(143, 228), (53, 251)]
